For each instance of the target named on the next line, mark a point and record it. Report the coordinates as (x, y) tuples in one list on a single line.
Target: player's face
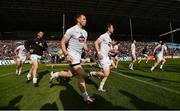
[(82, 20), (134, 41), (111, 29), (40, 34)]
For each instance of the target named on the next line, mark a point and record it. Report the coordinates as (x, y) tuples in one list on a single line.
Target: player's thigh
[(133, 57), (79, 70), (107, 72)]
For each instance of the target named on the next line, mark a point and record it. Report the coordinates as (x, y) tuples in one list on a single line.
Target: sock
[(93, 73), (85, 96), (28, 76), (16, 71), (55, 75), (101, 85), (152, 68), (34, 80), (19, 72), (161, 66)]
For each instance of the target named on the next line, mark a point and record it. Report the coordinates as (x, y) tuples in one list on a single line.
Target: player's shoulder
[(72, 28)]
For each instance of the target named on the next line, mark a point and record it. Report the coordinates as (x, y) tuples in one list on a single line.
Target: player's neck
[(80, 26), (109, 33)]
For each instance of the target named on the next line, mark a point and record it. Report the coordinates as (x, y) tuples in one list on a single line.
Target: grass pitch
[(138, 89)]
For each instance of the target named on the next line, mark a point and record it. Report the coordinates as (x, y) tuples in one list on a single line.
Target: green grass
[(138, 89)]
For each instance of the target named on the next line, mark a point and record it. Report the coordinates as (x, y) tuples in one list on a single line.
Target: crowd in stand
[(7, 49)]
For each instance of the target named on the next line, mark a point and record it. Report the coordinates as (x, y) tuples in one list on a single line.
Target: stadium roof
[(148, 16)]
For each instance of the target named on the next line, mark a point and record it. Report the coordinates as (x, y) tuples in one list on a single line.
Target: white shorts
[(105, 63), (35, 57), (159, 57), (133, 56), (21, 58), (145, 55), (76, 57)]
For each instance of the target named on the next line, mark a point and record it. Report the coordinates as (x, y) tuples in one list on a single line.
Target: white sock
[(34, 80), (161, 66), (19, 72), (85, 96), (55, 75), (93, 73), (152, 68), (16, 71), (101, 85), (29, 76)]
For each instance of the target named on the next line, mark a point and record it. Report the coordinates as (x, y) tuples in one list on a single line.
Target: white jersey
[(105, 45), (21, 50), (76, 36), (162, 49), (133, 49)]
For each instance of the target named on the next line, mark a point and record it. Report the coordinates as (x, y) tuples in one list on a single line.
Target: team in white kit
[(76, 40)]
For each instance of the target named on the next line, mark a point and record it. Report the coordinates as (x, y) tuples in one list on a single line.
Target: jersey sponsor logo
[(81, 38)]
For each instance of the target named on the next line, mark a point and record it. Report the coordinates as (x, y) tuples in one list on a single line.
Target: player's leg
[(113, 65), (106, 74), (131, 65), (147, 59), (139, 60), (158, 60), (34, 72), (82, 85), (116, 62), (17, 67), (21, 66), (63, 73), (162, 64), (29, 75)]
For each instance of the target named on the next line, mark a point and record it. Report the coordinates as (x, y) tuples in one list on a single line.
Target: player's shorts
[(35, 57), (145, 55), (159, 57), (105, 63), (133, 56), (76, 57), (21, 58)]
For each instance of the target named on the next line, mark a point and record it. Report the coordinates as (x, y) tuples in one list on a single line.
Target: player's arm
[(97, 47), (156, 48), (27, 45), (16, 52), (63, 43), (45, 46), (85, 46)]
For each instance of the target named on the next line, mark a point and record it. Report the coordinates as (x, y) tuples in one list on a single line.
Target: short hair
[(78, 15), (108, 25)]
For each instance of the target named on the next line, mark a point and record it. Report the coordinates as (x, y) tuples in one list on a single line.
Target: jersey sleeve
[(68, 34), (101, 38), (28, 44)]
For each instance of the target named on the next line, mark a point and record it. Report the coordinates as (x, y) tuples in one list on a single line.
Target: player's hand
[(31, 50), (100, 56), (68, 59)]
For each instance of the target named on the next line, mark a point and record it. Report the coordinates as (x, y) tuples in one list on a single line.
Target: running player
[(103, 46), (145, 54), (36, 47), (76, 37), (160, 49), (133, 54), (20, 53)]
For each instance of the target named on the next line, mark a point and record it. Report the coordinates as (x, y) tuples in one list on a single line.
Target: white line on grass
[(7, 74), (149, 83)]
